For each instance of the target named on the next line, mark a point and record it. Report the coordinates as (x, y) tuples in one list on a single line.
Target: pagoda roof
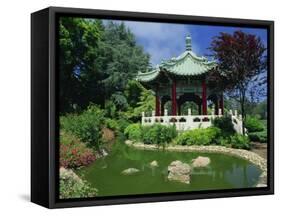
[(187, 64)]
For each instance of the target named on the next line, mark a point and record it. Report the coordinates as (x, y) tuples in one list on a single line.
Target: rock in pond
[(130, 171), (179, 171), (201, 161), (154, 163)]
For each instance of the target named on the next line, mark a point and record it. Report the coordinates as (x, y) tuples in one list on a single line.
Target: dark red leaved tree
[(240, 58)]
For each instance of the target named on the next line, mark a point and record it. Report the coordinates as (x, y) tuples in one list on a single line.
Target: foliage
[(73, 152), (78, 43), (260, 136), (133, 92), (240, 141), (223, 141), (200, 136), (145, 104), (241, 61), (86, 126), (111, 124), (119, 100), (97, 60), (110, 109), (158, 134), (134, 132), (123, 123), (155, 134), (71, 186), (260, 109), (253, 124), (189, 105), (119, 59), (225, 125)]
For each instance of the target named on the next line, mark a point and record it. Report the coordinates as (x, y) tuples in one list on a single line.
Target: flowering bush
[(87, 126), (74, 153)]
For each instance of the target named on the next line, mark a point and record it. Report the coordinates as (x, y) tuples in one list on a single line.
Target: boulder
[(69, 174), (154, 163), (179, 171), (130, 171), (201, 161)]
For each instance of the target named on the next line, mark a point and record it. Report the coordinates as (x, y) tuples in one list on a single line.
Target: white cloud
[(160, 40)]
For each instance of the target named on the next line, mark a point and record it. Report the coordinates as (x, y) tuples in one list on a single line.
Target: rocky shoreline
[(241, 153)]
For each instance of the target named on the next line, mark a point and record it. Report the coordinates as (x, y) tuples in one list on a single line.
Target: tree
[(97, 59), (240, 58), (119, 59), (78, 42), (146, 102)]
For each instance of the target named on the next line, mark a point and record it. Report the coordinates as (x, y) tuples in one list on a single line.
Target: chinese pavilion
[(182, 79)]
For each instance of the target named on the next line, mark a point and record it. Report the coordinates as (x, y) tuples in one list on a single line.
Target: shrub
[(134, 132), (239, 141), (258, 136), (86, 126), (123, 124), (72, 186), (74, 153), (110, 109), (225, 125), (155, 134), (200, 136), (253, 124), (150, 134), (223, 141), (111, 124), (158, 134)]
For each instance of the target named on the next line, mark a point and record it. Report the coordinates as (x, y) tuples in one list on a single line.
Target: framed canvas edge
[(54, 203)]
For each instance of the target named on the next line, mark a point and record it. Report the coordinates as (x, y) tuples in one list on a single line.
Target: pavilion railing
[(189, 122)]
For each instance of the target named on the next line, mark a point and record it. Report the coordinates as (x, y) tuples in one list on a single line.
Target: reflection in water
[(223, 172)]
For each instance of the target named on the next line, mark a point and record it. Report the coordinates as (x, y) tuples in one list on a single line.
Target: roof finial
[(188, 43)]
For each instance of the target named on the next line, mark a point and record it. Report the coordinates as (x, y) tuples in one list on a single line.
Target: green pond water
[(224, 172)]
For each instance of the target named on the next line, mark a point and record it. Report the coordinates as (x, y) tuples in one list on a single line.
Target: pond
[(224, 172)]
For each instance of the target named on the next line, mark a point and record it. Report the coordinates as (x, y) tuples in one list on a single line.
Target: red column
[(204, 97), (174, 98), (221, 104), (157, 104)]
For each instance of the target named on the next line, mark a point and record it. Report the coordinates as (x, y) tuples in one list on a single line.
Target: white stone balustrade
[(189, 122)]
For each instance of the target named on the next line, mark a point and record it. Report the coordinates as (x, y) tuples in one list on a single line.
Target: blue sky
[(166, 40)]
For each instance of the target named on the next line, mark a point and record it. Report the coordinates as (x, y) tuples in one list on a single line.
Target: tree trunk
[(243, 111)]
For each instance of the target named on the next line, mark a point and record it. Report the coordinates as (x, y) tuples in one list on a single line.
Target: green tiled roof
[(187, 64)]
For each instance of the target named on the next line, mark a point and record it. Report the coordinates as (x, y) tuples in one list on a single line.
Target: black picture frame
[(44, 106)]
